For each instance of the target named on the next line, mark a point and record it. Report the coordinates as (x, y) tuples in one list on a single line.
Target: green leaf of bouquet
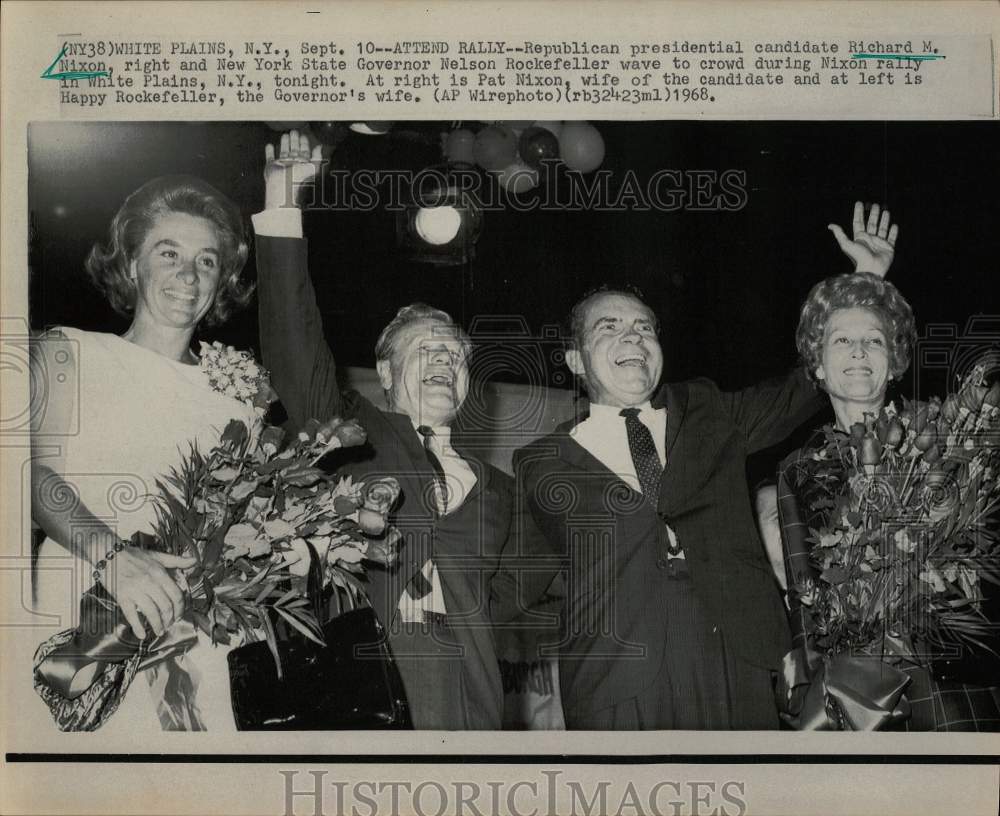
[(292, 593), (349, 580), (272, 642), (299, 626), (213, 549), (202, 621), (834, 575), (244, 489), (303, 476), (267, 589), (271, 467)]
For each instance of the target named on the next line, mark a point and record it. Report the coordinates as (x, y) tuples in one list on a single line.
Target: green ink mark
[(47, 73), (900, 56)]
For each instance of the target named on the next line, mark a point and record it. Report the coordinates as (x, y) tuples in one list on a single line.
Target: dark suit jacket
[(794, 484), (612, 545), (465, 544)]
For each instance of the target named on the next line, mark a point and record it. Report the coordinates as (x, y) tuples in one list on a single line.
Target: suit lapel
[(675, 399), (573, 453), (409, 443)]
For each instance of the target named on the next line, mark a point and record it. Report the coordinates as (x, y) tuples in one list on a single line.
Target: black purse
[(351, 683)]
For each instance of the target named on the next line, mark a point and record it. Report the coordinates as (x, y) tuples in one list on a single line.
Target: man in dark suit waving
[(672, 618), (454, 511)]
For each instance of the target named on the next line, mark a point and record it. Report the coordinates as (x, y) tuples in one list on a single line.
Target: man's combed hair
[(108, 265), (575, 328), (856, 290), (385, 346)]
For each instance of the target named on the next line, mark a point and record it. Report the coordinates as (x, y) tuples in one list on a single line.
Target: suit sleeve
[(295, 351), (798, 565), (769, 411), (527, 566)]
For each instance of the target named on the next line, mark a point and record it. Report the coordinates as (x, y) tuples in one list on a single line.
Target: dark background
[(726, 285)]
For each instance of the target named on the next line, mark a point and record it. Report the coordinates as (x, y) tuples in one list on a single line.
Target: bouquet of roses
[(268, 529), (907, 502), (909, 540), (262, 520)]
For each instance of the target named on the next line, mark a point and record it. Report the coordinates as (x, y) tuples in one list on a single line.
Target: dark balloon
[(328, 133), (538, 144), (460, 146)]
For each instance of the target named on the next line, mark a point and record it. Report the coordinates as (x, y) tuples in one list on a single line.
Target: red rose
[(871, 451), (926, 437), (932, 454), (894, 433), (350, 434), (371, 522), (381, 495)]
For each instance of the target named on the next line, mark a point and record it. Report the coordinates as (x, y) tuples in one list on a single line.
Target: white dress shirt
[(603, 434)]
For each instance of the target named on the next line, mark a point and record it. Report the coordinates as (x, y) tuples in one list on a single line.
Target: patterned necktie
[(419, 586), (644, 455), (441, 483)]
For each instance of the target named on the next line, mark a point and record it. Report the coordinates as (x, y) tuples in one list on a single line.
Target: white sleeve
[(283, 222)]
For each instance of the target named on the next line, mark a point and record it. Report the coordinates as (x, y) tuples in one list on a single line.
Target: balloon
[(496, 147), (536, 145), (329, 133), (553, 127), (282, 127), (581, 146), (518, 177), (460, 146)]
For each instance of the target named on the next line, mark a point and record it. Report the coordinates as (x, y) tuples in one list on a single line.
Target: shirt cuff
[(284, 222)]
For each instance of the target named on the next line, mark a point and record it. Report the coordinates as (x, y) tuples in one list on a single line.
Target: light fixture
[(437, 225), (441, 222), (372, 128)]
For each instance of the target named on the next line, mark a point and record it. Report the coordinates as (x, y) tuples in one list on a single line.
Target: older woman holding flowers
[(114, 414), (867, 615)]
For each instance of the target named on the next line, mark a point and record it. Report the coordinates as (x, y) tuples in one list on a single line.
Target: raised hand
[(295, 166), (143, 588), (874, 242)]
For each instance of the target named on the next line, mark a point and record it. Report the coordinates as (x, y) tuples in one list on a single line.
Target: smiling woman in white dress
[(115, 413)]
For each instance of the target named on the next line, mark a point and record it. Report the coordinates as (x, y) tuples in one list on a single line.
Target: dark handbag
[(351, 683)]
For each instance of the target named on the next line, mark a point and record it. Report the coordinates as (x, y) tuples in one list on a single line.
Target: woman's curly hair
[(857, 290), (108, 265)]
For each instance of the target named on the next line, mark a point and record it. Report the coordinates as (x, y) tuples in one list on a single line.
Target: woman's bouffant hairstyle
[(108, 265), (857, 290)]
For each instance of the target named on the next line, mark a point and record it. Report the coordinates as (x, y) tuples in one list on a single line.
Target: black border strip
[(515, 759)]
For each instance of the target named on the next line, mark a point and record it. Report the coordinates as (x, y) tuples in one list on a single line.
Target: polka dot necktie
[(644, 455)]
